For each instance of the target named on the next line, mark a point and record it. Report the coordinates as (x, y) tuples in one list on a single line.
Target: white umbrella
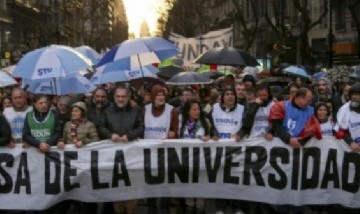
[(6, 80), (60, 85)]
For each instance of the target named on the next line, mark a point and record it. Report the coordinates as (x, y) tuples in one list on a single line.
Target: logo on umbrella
[(44, 71), (45, 88)]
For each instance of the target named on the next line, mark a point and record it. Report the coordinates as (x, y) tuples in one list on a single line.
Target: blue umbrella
[(141, 51), (120, 72), (50, 62), (318, 75), (60, 86), (297, 71), (89, 53)]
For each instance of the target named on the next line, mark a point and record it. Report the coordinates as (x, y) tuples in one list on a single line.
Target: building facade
[(282, 38)]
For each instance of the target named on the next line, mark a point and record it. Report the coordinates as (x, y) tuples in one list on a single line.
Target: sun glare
[(139, 10)]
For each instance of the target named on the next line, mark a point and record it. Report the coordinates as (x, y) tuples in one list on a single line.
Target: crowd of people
[(230, 109)]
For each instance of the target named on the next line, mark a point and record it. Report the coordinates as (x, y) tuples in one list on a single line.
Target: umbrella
[(167, 72), (172, 61), (355, 75), (212, 74), (189, 78), (51, 61), (9, 69), (276, 80), (141, 51), (6, 80), (119, 72), (89, 53), (318, 75), (297, 71), (60, 86), (226, 56)]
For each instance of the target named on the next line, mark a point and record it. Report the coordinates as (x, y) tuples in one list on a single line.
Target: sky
[(139, 10)]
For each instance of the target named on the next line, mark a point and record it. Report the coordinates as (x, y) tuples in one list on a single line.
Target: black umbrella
[(212, 74), (355, 75), (226, 56), (168, 71), (281, 81), (189, 78)]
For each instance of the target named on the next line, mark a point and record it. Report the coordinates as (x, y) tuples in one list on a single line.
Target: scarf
[(74, 126)]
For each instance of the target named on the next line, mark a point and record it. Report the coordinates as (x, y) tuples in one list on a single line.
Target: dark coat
[(5, 131), (122, 121)]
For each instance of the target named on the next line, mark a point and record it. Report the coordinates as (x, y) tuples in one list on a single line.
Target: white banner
[(193, 47), (323, 172)]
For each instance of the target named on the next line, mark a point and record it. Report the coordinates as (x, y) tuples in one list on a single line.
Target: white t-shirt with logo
[(227, 123), (261, 121), (157, 127), (16, 120)]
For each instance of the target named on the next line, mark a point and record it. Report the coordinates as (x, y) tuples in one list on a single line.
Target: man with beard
[(96, 107), (324, 93), (348, 119), (95, 110), (256, 118), (122, 123)]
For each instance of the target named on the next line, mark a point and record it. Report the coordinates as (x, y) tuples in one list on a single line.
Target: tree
[(248, 31), (306, 24), (120, 28), (186, 17)]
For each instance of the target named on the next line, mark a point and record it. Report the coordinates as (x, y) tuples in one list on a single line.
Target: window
[(339, 7), (357, 12)]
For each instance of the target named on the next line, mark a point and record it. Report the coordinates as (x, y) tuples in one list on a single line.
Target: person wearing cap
[(227, 115), (226, 118), (161, 122), (348, 119), (42, 127), (249, 81), (78, 130), (122, 122), (160, 118)]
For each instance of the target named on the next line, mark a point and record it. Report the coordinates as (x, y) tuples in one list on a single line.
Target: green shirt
[(41, 131)]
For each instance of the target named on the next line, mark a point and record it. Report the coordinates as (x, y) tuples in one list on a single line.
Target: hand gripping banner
[(322, 172)]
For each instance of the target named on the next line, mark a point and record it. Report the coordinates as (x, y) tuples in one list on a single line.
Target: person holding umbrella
[(42, 127)]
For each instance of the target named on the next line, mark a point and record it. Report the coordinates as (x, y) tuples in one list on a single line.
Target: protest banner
[(192, 47), (323, 172)]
